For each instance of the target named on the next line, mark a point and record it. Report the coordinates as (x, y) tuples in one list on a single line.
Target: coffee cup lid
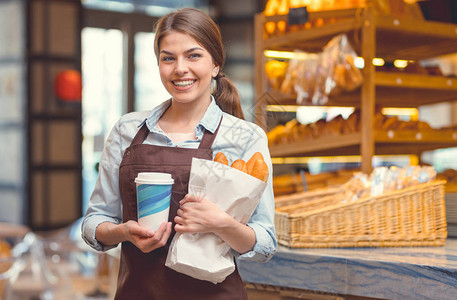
[(154, 178)]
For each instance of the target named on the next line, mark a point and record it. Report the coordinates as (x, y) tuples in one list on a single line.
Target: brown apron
[(144, 275)]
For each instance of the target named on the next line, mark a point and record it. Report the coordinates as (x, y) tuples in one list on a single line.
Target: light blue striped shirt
[(236, 138)]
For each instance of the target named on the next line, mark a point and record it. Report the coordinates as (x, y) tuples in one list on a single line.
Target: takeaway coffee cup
[(153, 194)]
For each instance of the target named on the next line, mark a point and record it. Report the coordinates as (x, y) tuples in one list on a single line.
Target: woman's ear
[(215, 71)]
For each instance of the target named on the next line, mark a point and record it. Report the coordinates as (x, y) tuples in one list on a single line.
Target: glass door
[(102, 105)]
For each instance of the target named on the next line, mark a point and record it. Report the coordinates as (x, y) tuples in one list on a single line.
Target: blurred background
[(51, 136), (52, 131), (50, 142)]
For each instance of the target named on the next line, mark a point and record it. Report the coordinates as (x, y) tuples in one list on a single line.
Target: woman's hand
[(199, 215), (145, 239)]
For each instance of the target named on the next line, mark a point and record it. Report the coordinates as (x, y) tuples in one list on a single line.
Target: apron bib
[(144, 275)]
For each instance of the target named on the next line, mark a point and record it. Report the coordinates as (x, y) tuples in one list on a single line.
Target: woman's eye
[(166, 58), (194, 55)]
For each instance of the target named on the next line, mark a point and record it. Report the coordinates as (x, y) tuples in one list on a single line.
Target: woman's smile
[(184, 84)]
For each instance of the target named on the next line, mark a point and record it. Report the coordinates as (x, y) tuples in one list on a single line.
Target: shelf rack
[(371, 35)]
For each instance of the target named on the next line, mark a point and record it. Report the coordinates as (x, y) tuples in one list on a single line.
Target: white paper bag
[(204, 255)]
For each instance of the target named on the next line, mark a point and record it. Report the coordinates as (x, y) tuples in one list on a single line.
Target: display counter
[(386, 273)]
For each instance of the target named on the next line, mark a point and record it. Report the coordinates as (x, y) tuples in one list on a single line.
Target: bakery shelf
[(372, 35), (386, 142), (329, 144), (395, 38), (393, 89)]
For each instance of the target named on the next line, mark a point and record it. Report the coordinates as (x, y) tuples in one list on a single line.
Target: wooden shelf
[(310, 147), (372, 36), (395, 38), (386, 142), (413, 142), (393, 89)]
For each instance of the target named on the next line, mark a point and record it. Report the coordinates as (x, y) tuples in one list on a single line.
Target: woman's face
[(186, 68)]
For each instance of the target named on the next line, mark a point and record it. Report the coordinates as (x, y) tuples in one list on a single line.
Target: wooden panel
[(409, 38), (386, 142), (37, 143), (37, 100), (260, 77), (314, 15), (55, 126), (412, 97), (288, 41), (37, 37), (396, 38), (37, 207), (431, 136), (336, 143), (63, 143), (62, 27), (63, 200), (416, 81), (368, 93)]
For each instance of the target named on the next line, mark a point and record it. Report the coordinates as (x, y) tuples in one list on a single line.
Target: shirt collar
[(212, 116), (210, 120)]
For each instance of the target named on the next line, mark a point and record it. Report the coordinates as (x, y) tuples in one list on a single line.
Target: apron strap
[(208, 138), (141, 135)]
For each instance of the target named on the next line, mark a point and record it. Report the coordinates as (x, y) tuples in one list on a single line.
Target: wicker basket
[(414, 216)]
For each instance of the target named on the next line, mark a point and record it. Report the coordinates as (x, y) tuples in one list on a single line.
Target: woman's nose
[(181, 66)]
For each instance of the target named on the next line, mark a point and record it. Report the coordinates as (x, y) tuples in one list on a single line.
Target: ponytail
[(227, 96)]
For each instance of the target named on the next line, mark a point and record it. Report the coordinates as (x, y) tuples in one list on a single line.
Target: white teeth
[(183, 83)]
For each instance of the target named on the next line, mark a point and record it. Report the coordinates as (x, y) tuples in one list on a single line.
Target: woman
[(193, 123)]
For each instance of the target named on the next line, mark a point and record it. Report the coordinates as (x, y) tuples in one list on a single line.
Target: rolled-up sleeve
[(262, 220), (105, 202)]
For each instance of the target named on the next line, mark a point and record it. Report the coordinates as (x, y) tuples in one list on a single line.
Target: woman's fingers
[(156, 240), (180, 212), (179, 220), (189, 199), (166, 234), (135, 229)]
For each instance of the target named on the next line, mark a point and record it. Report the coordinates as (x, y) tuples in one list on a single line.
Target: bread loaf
[(239, 164), (252, 160), (255, 166), (260, 170), (391, 123), (221, 158)]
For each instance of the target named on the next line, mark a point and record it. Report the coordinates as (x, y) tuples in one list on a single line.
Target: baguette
[(260, 170), (221, 158), (239, 164), (252, 160), (255, 166)]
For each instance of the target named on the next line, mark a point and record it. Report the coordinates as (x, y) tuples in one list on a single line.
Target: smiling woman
[(195, 123)]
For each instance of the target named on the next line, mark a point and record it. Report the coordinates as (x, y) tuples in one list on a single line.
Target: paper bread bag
[(204, 255)]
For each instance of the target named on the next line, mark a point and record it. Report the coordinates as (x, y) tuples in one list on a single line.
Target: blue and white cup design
[(153, 192)]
